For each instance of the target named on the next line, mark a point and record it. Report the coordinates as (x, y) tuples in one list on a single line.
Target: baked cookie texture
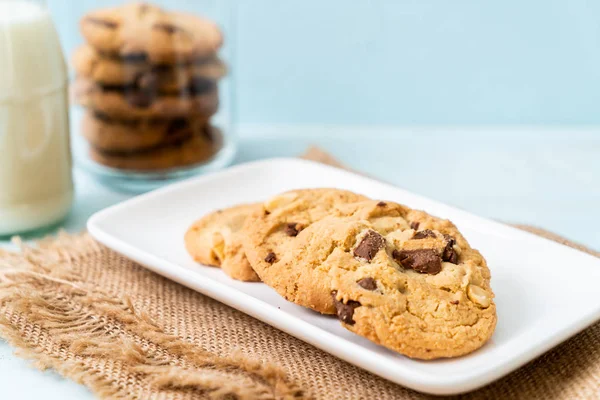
[(270, 233), (109, 135), (399, 277), (216, 239), (190, 151), (89, 64), (143, 32), (403, 279), (138, 103)]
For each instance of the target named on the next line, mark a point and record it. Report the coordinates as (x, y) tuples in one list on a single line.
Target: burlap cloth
[(99, 319)]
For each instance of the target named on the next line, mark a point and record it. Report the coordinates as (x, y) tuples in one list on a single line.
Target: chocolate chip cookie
[(271, 231), (111, 135), (106, 71), (142, 32), (216, 240), (424, 293), (274, 234), (145, 102), (194, 150)]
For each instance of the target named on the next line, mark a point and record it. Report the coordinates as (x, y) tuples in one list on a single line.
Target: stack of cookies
[(400, 277), (148, 80)]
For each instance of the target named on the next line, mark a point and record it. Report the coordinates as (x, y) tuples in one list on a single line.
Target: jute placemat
[(126, 333)]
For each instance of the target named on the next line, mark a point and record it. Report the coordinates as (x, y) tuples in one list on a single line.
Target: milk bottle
[(36, 187)]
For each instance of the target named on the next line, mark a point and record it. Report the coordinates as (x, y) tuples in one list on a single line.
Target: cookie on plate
[(424, 293), (135, 103), (111, 135), (106, 71), (196, 149), (274, 241), (142, 32), (271, 230), (216, 240)]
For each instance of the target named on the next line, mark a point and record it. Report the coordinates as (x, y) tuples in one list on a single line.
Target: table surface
[(539, 176)]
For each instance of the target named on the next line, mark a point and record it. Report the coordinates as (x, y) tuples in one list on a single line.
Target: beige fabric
[(127, 333)]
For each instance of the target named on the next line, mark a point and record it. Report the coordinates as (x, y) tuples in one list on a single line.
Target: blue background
[(501, 99), (404, 62)]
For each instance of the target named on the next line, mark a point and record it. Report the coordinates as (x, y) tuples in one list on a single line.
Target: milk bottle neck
[(30, 52)]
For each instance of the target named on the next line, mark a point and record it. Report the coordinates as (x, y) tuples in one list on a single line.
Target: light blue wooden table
[(544, 177)]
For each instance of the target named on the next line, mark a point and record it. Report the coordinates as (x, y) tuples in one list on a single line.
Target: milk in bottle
[(36, 187)]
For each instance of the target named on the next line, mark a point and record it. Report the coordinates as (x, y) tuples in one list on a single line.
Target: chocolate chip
[(200, 85), (381, 204), (147, 81), (453, 258), (176, 126), (103, 22), (127, 87), (111, 120), (455, 302), (134, 57), (103, 117), (424, 234), (169, 28), (449, 254), (367, 283), (426, 261), (369, 246), (139, 98), (270, 258), (345, 312), (162, 68), (414, 225), (292, 229)]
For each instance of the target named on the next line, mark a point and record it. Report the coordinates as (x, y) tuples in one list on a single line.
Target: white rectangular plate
[(539, 304)]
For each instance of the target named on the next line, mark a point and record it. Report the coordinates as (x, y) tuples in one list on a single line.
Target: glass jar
[(152, 92), (36, 187)]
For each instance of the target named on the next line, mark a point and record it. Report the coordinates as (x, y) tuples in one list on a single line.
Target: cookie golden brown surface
[(270, 231), (400, 277), (420, 291), (135, 103), (198, 148), (89, 64), (143, 32), (216, 240), (110, 135)]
